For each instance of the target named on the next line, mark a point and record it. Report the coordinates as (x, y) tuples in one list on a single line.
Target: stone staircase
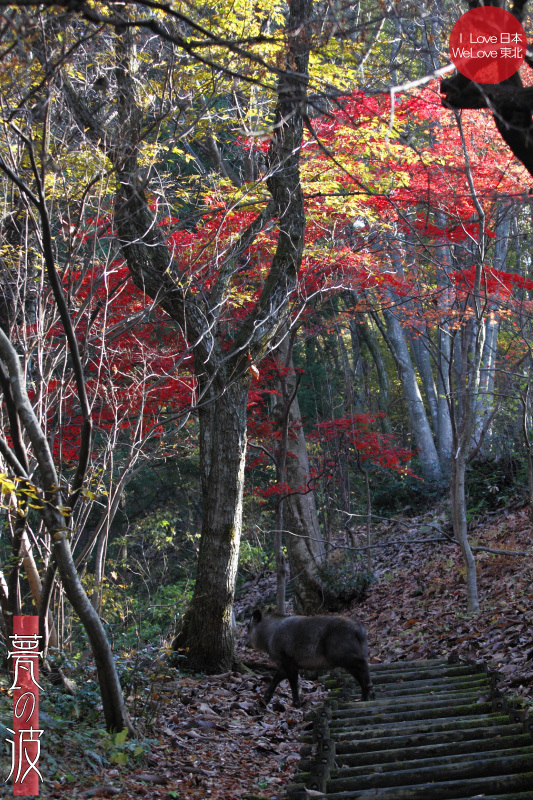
[(436, 731)]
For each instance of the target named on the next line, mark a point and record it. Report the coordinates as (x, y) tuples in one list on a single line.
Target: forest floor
[(210, 739)]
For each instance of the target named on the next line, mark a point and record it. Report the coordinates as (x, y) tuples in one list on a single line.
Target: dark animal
[(313, 643)]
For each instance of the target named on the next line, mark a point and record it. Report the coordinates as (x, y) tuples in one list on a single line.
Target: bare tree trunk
[(420, 427), (444, 354), (368, 336), (34, 581), (444, 425), (485, 400), (467, 377), (467, 383), (58, 527), (304, 541), (281, 562), (100, 555), (526, 433), (423, 362), (207, 635), (458, 512)]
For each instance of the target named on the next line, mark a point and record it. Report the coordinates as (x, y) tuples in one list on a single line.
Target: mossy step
[(470, 679), (420, 727), (494, 785), (430, 738), (513, 796), (439, 684), (467, 770), (376, 720), (403, 666), (428, 760), (421, 686), (399, 705), (400, 699), (418, 674), (434, 750)]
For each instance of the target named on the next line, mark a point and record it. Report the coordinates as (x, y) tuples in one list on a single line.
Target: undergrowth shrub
[(492, 483), (344, 582), (405, 494)]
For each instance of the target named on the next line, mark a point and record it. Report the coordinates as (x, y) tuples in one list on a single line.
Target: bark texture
[(304, 538), (208, 640), (485, 405), (422, 433)]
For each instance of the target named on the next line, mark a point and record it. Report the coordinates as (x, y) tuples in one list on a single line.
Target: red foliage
[(383, 175), (368, 445)]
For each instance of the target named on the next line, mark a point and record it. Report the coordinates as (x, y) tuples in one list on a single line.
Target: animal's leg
[(279, 675), (360, 671), (291, 670)]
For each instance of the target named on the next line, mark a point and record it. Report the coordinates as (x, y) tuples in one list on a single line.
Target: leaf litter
[(211, 739)]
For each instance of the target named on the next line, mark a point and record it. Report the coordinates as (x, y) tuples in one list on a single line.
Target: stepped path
[(435, 731)]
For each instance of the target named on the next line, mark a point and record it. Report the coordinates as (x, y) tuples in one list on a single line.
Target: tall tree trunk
[(368, 336), (421, 430), (221, 360), (444, 353), (304, 541), (467, 384), (526, 433), (422, 360), (485, 400), (471, 338), (208, 632), (485, 403), (396, 339), (444, 425), (458, 513)]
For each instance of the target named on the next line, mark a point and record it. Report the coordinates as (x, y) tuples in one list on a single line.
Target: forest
[(266, 326)]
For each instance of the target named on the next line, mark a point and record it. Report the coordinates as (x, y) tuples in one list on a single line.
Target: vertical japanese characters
[(26, 742)]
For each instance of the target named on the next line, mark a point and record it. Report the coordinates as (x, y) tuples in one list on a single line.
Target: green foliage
[(405, 494), (134, 620), (73, 731), (344, 582), (121, 750), (256, 547), (83, 705), (492, 482), (253, 558)]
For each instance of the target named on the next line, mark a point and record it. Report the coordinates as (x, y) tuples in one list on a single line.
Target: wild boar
[(295, 643)]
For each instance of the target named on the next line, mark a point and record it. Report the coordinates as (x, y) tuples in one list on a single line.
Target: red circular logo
[(487, 45)]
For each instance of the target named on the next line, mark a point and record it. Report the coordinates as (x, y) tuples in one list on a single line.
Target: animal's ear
[(257, 615)]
